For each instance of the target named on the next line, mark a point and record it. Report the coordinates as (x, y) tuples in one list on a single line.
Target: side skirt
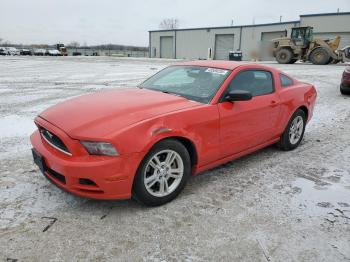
[(221, 161)]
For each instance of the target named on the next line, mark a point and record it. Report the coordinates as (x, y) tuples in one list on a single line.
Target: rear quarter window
[(286, 81)]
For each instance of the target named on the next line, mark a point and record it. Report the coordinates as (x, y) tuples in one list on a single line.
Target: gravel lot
[(268, 206)]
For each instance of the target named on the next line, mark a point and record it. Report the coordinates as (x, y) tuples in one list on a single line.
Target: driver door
[(246, 124)]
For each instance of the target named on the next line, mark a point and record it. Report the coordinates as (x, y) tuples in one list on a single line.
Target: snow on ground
[(271, 205)]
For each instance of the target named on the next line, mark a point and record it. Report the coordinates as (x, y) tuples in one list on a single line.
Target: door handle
[(273, 103)]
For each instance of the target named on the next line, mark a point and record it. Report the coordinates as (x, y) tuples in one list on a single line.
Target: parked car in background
[(26, 52), (345, 82), (53, 52), (39, 52), (146, 141), (3, 51), (12, 51)]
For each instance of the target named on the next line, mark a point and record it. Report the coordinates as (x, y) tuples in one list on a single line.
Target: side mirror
[(238, 95)]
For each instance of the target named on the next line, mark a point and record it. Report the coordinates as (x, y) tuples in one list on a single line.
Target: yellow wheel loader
[(62, 49), (301, 45)]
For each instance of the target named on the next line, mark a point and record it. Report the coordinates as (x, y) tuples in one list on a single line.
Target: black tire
[(140, 192), (343, 91), (293, 61), (330, 61), (285, 140), (319, 56), (284, 56)]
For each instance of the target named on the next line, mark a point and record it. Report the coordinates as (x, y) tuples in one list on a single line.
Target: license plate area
[(39, 160)]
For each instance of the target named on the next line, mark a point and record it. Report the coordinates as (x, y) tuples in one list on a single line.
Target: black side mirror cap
[(238, 95)]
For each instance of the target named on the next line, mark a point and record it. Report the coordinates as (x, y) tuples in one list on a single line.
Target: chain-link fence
[(106, 52)]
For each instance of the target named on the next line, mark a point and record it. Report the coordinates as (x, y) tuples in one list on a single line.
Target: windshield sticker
[(216, 71)]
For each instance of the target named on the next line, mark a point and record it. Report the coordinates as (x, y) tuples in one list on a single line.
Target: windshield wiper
[(170, 93)]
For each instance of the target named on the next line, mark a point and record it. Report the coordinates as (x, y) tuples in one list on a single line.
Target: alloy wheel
[(296, 130), (163, 173)]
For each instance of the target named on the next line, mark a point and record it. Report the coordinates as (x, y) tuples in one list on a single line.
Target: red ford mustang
[(145, 142), (345, 82)]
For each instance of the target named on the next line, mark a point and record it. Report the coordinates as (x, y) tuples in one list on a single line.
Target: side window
[(285, 81), (257, 82)]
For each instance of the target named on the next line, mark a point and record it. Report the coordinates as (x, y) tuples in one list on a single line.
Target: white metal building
[(216, 42)]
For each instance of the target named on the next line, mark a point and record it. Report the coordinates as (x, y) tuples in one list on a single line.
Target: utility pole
[(232, 22), (280, 19)]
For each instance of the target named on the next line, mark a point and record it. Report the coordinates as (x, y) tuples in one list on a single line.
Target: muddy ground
[(268, 206)]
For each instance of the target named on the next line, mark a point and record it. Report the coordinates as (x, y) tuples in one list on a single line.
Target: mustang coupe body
[(145, 142)]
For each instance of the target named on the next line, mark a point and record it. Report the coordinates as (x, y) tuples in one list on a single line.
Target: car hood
[(104, 113)]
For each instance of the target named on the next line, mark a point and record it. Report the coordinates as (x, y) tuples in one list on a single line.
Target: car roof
[(223, 64), (229, 65)]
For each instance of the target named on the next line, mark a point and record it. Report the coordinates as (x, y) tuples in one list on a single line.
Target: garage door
[(166, 47), (344, 41), (223, 45), (266, 38)]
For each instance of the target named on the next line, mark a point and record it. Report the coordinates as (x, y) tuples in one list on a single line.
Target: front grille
[(54, 140)]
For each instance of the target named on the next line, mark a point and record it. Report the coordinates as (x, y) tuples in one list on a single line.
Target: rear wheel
[(320, 56), (284, 56), (294, 132), (162, 174)]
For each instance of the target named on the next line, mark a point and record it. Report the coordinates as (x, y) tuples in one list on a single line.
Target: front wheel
[(294, 132), (162, 174), (320, 56)]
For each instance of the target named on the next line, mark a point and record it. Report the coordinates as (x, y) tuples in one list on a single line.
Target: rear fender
[(301, 99)]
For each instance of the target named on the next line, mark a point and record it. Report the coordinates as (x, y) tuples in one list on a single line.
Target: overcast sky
[(128, 21)]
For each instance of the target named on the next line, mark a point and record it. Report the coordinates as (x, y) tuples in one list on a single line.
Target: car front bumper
[(97, 177)]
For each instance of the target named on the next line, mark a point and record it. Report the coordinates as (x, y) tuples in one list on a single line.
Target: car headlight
[(100, 148)]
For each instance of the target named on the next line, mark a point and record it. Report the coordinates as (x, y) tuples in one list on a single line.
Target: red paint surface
[(346, 77)]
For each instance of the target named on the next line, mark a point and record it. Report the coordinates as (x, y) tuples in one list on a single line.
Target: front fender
[(199, 125)]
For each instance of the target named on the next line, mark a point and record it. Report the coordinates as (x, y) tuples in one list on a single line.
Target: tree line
[(76, 44)]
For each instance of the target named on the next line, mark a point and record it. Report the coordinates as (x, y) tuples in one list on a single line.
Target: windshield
[(192, 82)]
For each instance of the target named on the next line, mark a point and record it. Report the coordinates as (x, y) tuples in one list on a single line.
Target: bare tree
[(169, 23), (74, 44), (6, 43)]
